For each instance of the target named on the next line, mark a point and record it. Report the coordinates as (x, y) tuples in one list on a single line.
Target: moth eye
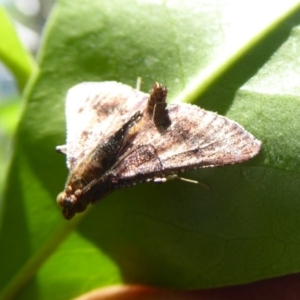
[(66, 201), (70, 208), (60, 199), (68, 213)]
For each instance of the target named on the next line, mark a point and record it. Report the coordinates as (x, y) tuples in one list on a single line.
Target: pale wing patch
[(93, 111)]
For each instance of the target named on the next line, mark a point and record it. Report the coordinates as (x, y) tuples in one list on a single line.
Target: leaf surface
[(228, 57), (12, 53)]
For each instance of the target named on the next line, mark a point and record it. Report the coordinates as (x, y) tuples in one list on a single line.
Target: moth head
[(70, 203)]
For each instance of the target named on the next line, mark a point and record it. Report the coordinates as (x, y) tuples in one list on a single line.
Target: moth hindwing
[(118, 136)]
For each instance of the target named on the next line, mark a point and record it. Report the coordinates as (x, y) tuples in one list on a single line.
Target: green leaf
[(12, 52), (9, 112), (230, 57), (9, 116)]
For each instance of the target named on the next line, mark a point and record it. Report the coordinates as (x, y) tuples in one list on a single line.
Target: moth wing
[(94, 111), (204, 139), (196, 138)]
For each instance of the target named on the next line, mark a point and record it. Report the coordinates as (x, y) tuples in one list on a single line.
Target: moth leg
[(61, 149), (175, 176)]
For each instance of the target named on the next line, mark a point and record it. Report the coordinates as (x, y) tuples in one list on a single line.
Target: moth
[(118, 136)]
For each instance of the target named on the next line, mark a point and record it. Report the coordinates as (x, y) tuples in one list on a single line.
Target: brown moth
[(118, 136)]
